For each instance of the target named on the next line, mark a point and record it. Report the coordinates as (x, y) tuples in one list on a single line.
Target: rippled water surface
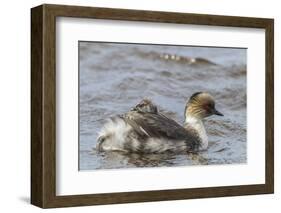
[(115, 77)]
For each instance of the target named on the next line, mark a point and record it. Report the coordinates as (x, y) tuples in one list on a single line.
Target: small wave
[(176, 58), (238, 71), (187, 60), (224, 127), (166, 73)]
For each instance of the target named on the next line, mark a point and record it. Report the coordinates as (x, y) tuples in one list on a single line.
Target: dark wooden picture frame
[(43, 105)]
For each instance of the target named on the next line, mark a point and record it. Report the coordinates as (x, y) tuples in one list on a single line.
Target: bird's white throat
[(198, 125)]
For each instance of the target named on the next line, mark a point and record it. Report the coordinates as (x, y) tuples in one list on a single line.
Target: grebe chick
[(146, 105), (145, 130)]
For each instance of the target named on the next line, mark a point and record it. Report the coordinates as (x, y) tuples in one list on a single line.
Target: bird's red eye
[(208, 107)]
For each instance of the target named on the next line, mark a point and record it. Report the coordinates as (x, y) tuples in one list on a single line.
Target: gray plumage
[(157, 125), (146, 105)]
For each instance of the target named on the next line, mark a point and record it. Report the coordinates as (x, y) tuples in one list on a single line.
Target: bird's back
[(158, 126)]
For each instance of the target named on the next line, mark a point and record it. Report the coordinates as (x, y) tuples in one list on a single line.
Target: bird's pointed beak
[(216, 112)]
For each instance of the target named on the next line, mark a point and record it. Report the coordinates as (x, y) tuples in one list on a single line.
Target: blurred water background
[(115, 77)]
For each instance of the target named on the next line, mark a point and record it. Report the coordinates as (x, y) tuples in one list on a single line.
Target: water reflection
[(132, 160)]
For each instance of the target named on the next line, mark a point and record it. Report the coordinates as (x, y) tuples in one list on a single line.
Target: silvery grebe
[(145, 130)]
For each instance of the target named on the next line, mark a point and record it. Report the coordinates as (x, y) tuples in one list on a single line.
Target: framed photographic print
[(136, 106)]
